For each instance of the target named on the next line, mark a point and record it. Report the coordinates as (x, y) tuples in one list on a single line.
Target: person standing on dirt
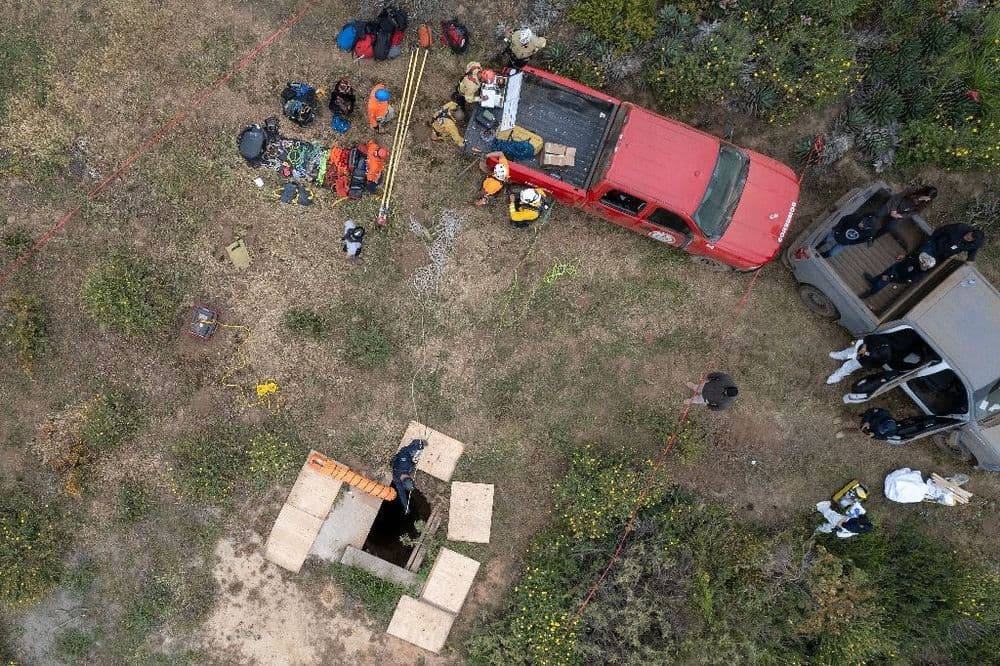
[(952, 239), (445, 124), (717, 392), (902, 206), (375, 164), (468, 87), (852, 229), (380, 112), (522, 44), (905, 271)]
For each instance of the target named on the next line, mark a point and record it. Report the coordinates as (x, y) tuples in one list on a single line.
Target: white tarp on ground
[(907, 486)]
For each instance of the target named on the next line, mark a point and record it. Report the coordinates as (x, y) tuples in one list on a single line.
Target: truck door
[(667, 227), (625, 209)]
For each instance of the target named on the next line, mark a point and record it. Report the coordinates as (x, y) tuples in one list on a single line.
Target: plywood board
[(441, 454), (421, 623), (291, 538), (238, 254), (348, 524), (470, 514), (450, 580), (313, 492)]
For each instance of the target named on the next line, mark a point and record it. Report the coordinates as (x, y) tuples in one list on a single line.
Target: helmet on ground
[(382, 95), (381, 152), (530, 196), (487, 76), (525, 35), (500, 171), (340, 124), (472, 66)]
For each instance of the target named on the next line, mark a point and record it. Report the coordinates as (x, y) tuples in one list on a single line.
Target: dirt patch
[(262, 618)]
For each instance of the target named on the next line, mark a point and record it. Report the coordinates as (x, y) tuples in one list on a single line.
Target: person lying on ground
[(850, 230), (905, 271), (952, 239), (717, 392), (902, 206)]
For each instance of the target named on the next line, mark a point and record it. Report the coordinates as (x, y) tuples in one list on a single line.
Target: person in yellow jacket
[(526, 207), (522, 44), (445, 124), (468, 87), (496, 179)]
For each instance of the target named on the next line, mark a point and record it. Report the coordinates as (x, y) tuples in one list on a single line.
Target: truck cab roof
[(960, 319)]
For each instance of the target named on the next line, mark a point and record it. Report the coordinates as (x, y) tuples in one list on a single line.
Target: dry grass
[(519, 369)]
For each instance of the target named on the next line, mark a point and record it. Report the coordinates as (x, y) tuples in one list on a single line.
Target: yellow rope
[(411, 67), (391, 180)]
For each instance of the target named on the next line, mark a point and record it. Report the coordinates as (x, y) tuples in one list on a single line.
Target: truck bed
[(557, 114), (856, 260)]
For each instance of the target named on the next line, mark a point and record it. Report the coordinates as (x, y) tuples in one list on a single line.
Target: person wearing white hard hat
[(522, 44), (526, 207), (496, 178)]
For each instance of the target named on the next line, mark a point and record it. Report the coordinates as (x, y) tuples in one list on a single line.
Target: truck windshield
[(987, 401), (723, 193)]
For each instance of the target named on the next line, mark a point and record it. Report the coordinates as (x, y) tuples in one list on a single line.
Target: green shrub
[(623, 24), (23, 67), (368, 344), (109, 420), (135, 502), (24, 328), (378, 596), (81, 577), (148, 608), (33, 538), (17, 242), (73, 644), (213, 465), (129, 296), (307, 323)]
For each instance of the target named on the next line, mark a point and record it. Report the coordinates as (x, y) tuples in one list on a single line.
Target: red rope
[(650, 480), (156, 138)]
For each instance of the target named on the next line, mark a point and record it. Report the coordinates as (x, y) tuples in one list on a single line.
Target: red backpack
[(365, 46), (455, 35)]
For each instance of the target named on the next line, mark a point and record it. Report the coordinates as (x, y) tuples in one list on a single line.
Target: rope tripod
[(406, 104)]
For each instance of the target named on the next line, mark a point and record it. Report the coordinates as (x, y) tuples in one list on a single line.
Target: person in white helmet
[(526, 207), (522, 44), (496, 179)]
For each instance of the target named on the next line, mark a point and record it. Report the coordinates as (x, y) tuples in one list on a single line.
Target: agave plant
[(884, 105), (758, 101)]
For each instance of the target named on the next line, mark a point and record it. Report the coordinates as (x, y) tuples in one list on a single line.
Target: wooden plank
[(450, 580), (470, 515), (441, 454), (313, 492), (421, 623), (420, 550), (961, 494), (291, 538)]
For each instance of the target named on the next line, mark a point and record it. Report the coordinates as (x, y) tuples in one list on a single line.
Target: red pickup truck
[(653, 175)]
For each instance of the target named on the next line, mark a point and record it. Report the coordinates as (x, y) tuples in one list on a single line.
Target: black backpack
[(252, 143), (389, 21), (455, 35), (358, 164)]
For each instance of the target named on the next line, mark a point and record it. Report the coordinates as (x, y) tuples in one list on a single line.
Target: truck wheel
[(818, 302), (711, 264), (950, 445)]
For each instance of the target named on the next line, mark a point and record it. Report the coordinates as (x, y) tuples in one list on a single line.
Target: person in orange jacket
[(380, 112), (496, 179), (377, 155)]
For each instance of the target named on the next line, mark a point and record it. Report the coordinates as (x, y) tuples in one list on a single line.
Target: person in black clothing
[(717, 392), (878, 423), (404, 465), (952, 239), (905, 271), (900, 350), (342, 100), (852, 229), (902, 206)]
